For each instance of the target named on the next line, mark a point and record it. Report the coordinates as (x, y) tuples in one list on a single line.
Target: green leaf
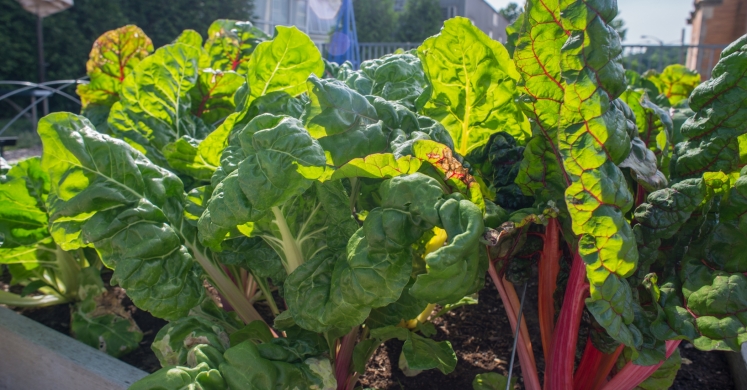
[(395, 77), (492, 380), (378, 166), (405, 308), (676, 82), (213, 95), (256, 331), (22, 209), (713, 133), (343, 121), (456, 269), (115, 54), (230, 45), (246, 368), (283, 64), (189, 38), (184, 157), (201, 377), (126, 208), (421, 353), (102, 322), (155, 102), (276, 156), (174, 343), (473, 85)]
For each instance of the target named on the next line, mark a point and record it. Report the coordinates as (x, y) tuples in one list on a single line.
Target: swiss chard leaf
[(473, 85), (114, 55), (107, 195)]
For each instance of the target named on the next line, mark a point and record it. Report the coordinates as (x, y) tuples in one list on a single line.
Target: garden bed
[(480, 335)]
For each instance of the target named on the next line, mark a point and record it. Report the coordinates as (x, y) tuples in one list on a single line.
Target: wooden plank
[(34, 357)]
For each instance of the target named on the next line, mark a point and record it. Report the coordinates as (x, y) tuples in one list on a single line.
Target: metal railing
[(373, 50), (639, 58), (40, 93)]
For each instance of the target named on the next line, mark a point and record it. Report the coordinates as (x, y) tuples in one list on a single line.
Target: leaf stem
[(291, 249), (549, 267), (228, 290), (11, 299), (345, 357), (262, 283), (511, 304), (633, 375), (565, 336)]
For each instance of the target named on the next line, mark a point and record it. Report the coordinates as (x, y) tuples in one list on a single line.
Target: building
[(714, 22), (317, 17), (482, 14), (314, 17)]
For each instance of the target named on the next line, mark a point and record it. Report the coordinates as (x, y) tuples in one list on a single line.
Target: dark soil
[(58, 318), (481, 337)]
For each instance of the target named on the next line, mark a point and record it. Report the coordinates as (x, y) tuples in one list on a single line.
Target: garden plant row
[(212, 175)]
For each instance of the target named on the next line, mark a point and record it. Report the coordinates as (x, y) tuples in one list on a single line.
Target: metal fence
[(373, 50), (639, 58)]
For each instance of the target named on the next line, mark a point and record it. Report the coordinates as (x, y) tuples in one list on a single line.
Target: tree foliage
[(68, 35), (375, 20), (420, 19), (511, 12)]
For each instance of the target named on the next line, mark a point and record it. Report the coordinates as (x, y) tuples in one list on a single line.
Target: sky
[(663, 19)]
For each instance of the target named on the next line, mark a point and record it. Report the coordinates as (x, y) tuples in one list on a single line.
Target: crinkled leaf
[(712, 134), (107, 195), (183, 156), (213, 94), (676, 82), (23, 214), (114, 55), (201, 377), (102, 322), (473, 85), (246, 368), (283, 64), (174, 342), (155, 101), (230, 45)]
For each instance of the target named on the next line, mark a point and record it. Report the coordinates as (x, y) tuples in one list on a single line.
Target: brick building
[(714, 22)]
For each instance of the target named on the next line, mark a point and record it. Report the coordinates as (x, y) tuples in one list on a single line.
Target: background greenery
[(376, 20), (69, 35)]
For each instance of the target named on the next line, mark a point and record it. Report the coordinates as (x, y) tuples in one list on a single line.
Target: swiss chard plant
[(48, 275), (346, 208)]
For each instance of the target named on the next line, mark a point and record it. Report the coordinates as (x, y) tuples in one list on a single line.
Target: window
[(300, 14), (449, 12), (495, 20), (281, 12)]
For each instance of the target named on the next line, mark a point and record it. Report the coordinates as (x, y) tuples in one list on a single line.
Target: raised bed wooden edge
[(34, 357)]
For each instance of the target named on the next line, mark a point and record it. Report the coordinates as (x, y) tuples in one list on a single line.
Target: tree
[(511, 12), (421, 19), (619, 26), (375, 20), (69, 35)]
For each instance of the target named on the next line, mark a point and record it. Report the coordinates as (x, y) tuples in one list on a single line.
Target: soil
[(58, 318), (480, 335)]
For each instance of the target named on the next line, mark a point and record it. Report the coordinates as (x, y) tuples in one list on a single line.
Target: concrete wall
[(481, 14), (715, 22), (718, 21), (487, 19)]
